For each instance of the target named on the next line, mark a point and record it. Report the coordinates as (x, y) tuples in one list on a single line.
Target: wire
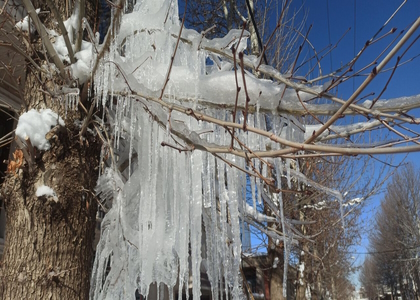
[(384, 251), (251, 14), (329, 36), (354, 45)]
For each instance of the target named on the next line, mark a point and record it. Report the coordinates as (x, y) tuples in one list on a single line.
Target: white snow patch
[(275, 263), (24, 24), (35, 125), (301, 269), (318, 206), (352, 202), (81, 69), (257, 215), (308, 294), (44, 190)]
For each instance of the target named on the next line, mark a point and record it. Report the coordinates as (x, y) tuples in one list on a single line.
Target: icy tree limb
[(367, 81)]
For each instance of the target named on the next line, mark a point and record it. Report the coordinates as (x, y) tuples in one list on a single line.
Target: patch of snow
[(258, 296), (251, 211), (35, 125), (275, 263), (44, 190), (308, 294), (24, 24), (81, 69), (352, 202), (318, 206), (301, 269)]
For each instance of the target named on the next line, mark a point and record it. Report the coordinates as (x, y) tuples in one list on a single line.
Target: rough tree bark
[(49, 244)]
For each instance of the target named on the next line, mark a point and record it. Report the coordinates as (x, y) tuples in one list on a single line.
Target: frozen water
[(177, 212)]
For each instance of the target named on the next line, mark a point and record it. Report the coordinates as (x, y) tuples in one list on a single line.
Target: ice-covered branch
[(195, 145)]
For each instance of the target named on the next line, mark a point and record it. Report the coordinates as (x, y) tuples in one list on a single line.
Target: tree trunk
[(301, 278), (333, 291), (49, 241), (49, 244), (275, 276)]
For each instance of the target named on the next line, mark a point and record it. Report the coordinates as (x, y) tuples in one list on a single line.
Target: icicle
[(289, 183), (340, 201), (195, 227), (206, 180), (132, 130), (152, 236), (254, 200), (168, 123), (223, 218), (235, 242), (287, 245), (258, 181)]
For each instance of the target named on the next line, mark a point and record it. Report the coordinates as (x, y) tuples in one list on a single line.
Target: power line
[(251, 14), (354, 45), (385, 251), (329, 36)]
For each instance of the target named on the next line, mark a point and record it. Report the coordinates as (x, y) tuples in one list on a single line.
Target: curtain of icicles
[(176, 215)]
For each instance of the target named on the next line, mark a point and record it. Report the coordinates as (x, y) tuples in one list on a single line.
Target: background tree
[(394, 243)]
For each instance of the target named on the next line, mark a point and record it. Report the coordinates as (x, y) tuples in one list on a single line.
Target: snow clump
[(35, 125), (24, 24), (44, 190)]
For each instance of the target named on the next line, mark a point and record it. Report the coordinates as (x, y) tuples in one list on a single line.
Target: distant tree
[(395, 241)]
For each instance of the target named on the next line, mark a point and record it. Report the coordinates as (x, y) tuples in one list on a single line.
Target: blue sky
[(330, 20), (369, 16)]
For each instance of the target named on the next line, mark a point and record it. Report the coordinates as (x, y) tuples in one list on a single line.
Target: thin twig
[(63, 30), (45, 38), (79, 8), (163, 144), (238, 89), (247, 99), (173, 55), (366, 82), (279, 23), (393, 71)]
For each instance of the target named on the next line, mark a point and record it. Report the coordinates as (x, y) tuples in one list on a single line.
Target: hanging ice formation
[(175, 215)]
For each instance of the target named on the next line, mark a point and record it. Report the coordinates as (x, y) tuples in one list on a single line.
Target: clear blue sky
[(368, 16), (331, 19)]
